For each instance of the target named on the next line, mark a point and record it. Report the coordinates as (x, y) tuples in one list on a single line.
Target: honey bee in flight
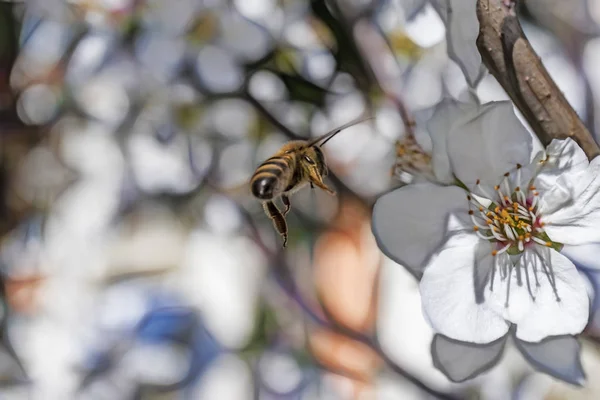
[(296, 164)]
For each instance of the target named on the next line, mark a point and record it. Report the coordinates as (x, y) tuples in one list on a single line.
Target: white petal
[(559, 357), (448, 295), (545, 316), (583, 256), (445, 114), (563, 158), (412, 7), (571, 208), (410, 223), (488, 143), (462, 29), (461, 361)]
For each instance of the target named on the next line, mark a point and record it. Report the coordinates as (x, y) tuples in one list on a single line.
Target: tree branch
[(510, 58)]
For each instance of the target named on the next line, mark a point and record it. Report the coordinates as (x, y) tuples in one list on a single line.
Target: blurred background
[(134, 263)]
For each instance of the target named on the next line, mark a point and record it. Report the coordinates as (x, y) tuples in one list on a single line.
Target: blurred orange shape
[(344, 355), (346, 268), (22, 293)]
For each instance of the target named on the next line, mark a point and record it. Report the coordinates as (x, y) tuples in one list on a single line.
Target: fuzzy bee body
[(296, 164)]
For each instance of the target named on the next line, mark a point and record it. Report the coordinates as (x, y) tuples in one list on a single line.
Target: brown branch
[(510, 58)]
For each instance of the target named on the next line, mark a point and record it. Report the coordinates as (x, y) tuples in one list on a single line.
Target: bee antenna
[(330, 137), (327, 137)]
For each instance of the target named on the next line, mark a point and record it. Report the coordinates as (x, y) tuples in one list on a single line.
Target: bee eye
[(309, 160)]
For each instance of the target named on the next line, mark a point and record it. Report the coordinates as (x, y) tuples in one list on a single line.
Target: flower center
[(512, 221)]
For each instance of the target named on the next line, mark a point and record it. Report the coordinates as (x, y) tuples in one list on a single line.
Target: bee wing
[(337, 130)]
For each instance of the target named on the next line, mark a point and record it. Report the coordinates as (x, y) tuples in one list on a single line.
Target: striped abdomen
[(273, 176)]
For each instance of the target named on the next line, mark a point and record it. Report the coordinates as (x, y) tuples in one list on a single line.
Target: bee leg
[(278, 219), (286, 203), (319, 183)]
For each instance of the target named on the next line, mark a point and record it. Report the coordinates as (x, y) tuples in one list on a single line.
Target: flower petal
[(487, 143), (412, 7), (571, 208), (535, 309), (556, 356), (586, 256), (460, 361), (462, 29), (410, 223), (563, 157), (445, 114), (448, 295)]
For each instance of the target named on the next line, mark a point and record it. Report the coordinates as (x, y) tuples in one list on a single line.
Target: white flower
[(489, 257), (462, 29)]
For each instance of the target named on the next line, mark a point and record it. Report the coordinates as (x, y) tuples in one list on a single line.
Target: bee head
[(313, 158)]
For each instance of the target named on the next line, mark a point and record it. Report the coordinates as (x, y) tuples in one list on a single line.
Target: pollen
[(494, 252), (475, 228)]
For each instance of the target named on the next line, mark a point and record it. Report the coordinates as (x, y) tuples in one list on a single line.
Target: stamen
[(538, 240), (505, 183), (521, 245), (483, 190), (508, 231), (497, 235), (528, 284), (492, 277), (500, 194), (508, 285), (534, 203), (502, 250), (477, 224), (481, 235), (547, 268)]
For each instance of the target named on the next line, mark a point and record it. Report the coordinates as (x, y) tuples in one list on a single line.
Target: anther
[(507, 174), (519, 166), (494, 252), (549, 244), (471, 212), (475, 228)]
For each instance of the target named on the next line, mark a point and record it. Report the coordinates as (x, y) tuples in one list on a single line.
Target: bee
[(296, 164)]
